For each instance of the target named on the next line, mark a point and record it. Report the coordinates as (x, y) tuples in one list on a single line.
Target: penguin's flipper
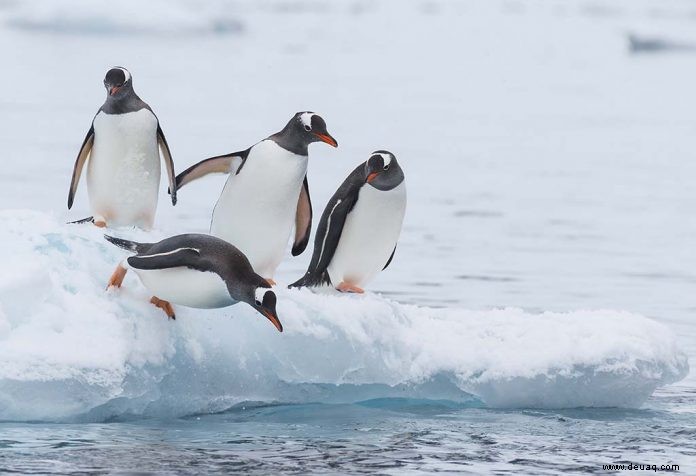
[(80, 163), (221, 164), (330, 229), (185, 256), (326, 239), (303, 220), (390, 259), (168, 162)]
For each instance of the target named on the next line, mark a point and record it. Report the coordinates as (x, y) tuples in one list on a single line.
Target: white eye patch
[(126, 73), (387, 158), (306, 118), (261, 293)]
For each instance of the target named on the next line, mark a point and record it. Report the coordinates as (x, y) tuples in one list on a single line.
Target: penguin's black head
[(265, 302), (311, 127), (118, 82), (303, 129), (382, 171)]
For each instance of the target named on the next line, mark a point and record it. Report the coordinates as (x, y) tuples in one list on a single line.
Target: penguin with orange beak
[(360, 226), (198, 271), (266, 193), (121, 153)]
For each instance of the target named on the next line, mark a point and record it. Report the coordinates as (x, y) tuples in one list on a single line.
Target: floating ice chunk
[(69, 348)]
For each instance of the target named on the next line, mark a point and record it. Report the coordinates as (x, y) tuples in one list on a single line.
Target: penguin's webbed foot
[(116, 279), (165, 306), (99, 221), (349, 288), (270, 281)]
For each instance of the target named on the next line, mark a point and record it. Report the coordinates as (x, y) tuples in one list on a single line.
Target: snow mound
[(69, 349), (127, 17)]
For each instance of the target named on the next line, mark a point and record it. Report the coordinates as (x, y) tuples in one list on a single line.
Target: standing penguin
[(360, 226), (198, 271), (266, 193), (123, 172)]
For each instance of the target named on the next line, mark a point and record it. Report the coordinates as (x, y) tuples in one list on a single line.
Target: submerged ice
[(69, 349)]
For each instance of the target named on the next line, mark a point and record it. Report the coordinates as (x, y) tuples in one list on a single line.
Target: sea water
[(539, 302)]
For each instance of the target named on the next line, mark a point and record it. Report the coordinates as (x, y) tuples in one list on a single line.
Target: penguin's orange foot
[(164, 305), (349, 288), (117, 276), (270, 282), (100, 223)]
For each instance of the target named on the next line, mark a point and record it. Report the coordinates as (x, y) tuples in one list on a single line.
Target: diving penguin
[(123, 170), (196, 270), (266, 193), (360, 226)]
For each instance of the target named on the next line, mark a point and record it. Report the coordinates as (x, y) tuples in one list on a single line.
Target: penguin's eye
[(258, 303), (307, 127), (386, 167)]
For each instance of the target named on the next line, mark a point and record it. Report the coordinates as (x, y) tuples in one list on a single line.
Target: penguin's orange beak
[(327, 138), (372, 176), (274, 320), (114, 90)]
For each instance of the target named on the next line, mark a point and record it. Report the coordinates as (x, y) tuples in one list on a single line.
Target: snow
[(70, 349)]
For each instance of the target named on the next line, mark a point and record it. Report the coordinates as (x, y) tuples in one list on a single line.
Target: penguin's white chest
[(123, 172), (256, 210), (187, 287), (369, 235)]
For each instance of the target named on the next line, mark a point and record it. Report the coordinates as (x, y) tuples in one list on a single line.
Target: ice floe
[(68, 348)]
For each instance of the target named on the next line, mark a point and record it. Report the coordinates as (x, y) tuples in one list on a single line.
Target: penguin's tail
[(83, 220), (127, 244), (312, 280)]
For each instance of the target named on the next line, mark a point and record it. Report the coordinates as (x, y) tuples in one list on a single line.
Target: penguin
[(266, 193), (360, 226), (195, 270), (123, 170)]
